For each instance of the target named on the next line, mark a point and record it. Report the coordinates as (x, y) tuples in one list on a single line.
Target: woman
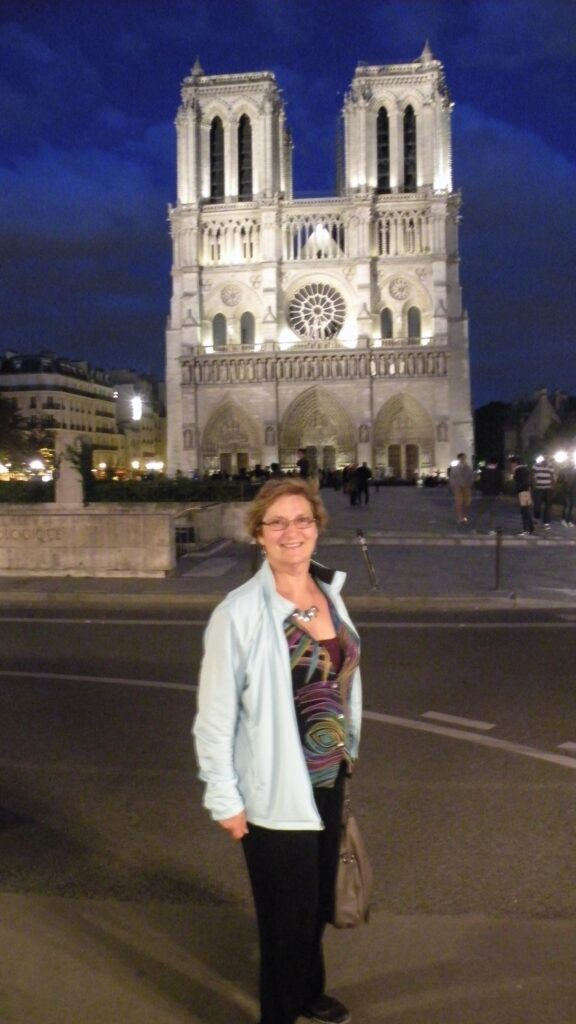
[(277, 729)]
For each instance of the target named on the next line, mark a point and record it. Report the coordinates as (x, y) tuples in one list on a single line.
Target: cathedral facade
[(331, 324)]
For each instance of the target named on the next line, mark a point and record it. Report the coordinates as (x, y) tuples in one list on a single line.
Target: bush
[(26, 491), (173, 489)]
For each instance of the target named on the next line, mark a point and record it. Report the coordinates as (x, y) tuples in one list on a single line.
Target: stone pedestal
[(68, 488)]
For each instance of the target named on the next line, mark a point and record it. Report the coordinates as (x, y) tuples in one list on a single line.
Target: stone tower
[(334, 324)]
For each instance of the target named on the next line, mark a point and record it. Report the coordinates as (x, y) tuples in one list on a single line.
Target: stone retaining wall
[(110, 540)]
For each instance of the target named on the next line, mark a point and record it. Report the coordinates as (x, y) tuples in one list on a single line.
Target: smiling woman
[(277, 731)]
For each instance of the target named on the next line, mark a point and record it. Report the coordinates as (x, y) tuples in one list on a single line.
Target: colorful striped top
[(321, 696)]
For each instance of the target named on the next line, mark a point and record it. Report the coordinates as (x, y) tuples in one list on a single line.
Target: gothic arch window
[(247, 330), (382, 152), (384, 236), (244, 158), (410, 178), (414, 325), (219, 331), (216, 161), (215, 245), (386, 324), (247, 242)]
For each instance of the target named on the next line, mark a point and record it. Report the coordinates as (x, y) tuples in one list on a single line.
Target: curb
[(374, 602)]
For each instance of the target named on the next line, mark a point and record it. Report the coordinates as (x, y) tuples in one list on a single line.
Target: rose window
[(317, 311)]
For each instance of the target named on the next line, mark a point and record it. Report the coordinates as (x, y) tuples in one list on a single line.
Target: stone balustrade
[(324, 365)]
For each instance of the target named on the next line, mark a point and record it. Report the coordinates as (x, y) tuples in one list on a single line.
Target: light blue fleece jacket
[(245, 731)]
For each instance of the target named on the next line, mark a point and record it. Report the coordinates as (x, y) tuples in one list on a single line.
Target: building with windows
[(141, 417), (332, 324), (65, 400)]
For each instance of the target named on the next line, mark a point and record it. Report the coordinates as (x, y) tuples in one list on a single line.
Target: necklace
[(306, 614)]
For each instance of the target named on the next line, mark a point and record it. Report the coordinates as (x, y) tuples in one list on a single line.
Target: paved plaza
[(417, 554)]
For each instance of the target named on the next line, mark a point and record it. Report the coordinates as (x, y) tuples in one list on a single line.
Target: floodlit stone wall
[(113, 540)]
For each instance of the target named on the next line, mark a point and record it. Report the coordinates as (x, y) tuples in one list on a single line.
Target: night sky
[(88, 96)]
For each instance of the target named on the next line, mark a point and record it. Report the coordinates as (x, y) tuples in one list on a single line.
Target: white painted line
[(375, 716), (567, 746), (471, 737), (111, 680), (468, 723), (462, 625), (102, 622)]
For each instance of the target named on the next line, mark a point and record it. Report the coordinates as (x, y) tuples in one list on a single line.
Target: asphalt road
[(121, 902)]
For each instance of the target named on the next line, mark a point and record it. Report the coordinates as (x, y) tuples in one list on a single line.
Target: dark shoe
[(328, 1010)]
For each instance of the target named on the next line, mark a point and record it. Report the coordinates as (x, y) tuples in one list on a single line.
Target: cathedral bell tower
[(332, 323)]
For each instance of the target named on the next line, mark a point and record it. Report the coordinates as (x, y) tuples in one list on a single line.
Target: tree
[(23, 438), (12, 435), (563, 434)]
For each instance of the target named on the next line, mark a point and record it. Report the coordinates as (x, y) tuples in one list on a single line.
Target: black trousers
[(363, 490), (292, 874), (542, 503)]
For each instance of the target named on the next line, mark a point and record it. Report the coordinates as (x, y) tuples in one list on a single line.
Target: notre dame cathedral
[(332, 324)]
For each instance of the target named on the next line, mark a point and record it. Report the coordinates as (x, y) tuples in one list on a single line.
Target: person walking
[(351, 483), (521, 478), (461, 480), (276, 732), (490, 490), (303, 464), (543, 483), (363, 476), (567, 482)]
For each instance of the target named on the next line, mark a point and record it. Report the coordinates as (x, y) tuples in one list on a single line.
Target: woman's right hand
[(236, 826)]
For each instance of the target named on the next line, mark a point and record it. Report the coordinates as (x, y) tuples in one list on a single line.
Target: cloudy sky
[(88, 96)]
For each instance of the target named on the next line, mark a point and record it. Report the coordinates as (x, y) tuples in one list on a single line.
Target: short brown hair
[(274, 489)]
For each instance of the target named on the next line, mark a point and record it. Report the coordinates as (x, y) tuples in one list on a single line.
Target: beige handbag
[(354, 880)]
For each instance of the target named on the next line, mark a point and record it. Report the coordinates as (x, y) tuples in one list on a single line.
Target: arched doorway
[(403, 438), (317, 422), (231, 440)]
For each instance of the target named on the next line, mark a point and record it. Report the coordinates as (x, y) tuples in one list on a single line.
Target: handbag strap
[(346, 799)]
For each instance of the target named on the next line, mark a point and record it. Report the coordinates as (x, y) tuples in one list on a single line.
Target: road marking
[(103, 622), (375, 716), (477, 738), (567, 746), (112, 680), (468, 723), (464, 625)]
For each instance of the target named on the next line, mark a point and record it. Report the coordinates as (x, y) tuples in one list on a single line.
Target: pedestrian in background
[(363, 476), (490, 491), (303, 464), (567, 482), (351, 483), (543, 484), (461, 480), (277, 731), (521, 478)]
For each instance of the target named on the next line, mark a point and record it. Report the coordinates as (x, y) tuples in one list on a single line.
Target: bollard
[(367, 559), (498, 563)]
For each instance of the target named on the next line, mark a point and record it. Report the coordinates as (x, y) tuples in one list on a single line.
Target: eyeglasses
[(279, 523)]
